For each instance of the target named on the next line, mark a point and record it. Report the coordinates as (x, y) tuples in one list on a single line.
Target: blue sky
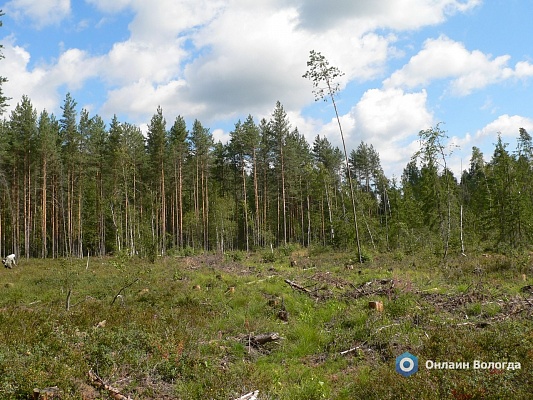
[(409, 64)]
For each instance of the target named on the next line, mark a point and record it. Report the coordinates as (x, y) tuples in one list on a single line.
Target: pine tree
[(279, 129), (71, 155), (49, 164), (201, 144), (179, 151), (23, 130), (328, 160), (157, 145), (320, 72), (437, 193)]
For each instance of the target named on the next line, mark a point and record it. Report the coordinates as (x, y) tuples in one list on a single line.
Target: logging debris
[(375, 287), (99, 383)]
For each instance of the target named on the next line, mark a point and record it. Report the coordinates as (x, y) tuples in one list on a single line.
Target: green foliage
[(83, 188)]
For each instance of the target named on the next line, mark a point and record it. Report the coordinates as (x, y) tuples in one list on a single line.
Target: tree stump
[(48, 393), (376, 305)]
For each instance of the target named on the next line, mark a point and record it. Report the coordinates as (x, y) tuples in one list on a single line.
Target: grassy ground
[(181, 328)]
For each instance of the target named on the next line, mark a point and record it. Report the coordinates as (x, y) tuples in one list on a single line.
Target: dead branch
[(296, 286), (124, 288), (99, 383), (350, 350), (249, 396)]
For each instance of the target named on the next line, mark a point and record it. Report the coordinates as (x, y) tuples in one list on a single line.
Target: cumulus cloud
[(41, 83), (388, 119), (22, 81), (507, 125), (443, 58), (130, 61), (485, 138), (110, 6), (219, 60), (40, 12), (370, 14)]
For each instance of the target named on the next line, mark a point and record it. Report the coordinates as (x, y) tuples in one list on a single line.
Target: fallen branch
[(249, 396), (99, 383), (294, 285), (350, 350), (124, 288)]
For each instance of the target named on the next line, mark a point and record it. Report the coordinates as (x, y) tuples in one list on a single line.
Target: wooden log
[(294, 285), (266, 337), (259, 340)]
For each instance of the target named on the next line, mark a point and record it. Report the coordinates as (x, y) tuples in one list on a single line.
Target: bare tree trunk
[(308, 217), (245, 208), (44, 213), (352, 193), (256, 198), (284, 200), (462, 242), (330, 216), (163, 212), (180, 205)]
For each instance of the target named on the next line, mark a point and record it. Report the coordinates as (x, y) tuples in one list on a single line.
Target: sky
[(408, 65)]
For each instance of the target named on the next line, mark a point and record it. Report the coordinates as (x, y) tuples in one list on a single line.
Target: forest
[(72, 186)]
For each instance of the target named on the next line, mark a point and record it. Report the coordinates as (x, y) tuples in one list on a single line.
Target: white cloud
[(443, 58), (42, 82), (131, 61), (388, 119), (140, 99), (220, 135), (507, 125), (22, 81), (110, 6), (371, 14), (485, 138), (41, 12), (220, 60)]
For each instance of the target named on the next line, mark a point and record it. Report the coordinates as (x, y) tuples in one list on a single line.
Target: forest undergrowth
[(298, 324)]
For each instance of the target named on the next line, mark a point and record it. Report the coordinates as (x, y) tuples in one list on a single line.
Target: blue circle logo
[(406, 364)]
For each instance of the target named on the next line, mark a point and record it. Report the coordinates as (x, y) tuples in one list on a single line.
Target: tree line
[(71, 186)]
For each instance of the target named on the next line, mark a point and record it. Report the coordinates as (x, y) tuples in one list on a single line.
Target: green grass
[(177, 330)]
